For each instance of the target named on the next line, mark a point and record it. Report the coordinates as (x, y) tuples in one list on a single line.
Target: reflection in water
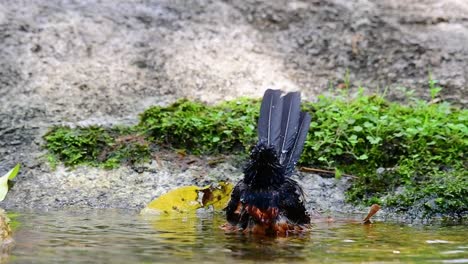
[(265, 248), (110, 236)]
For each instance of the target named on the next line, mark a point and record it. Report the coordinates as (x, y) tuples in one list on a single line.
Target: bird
[(267, 201)]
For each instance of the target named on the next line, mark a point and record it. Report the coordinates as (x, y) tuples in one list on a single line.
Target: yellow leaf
[(218, 196), (190, 198), (180, 200)]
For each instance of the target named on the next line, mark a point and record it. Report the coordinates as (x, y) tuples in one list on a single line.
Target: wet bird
[(267, 201)]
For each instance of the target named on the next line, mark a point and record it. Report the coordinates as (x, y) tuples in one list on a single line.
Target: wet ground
[(110, 236), (103, 62)]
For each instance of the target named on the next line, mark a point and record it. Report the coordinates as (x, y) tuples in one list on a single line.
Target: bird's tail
[(283, 126), (282, 130)]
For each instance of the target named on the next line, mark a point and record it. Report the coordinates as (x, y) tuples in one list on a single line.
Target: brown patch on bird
[(266, 217)]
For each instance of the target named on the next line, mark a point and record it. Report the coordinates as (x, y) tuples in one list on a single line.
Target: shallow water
[(112, 236)]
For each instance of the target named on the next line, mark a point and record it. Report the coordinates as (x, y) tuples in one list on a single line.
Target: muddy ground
[(103, 62)]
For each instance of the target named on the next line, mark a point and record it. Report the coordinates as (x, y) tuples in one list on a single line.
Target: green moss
[(439, 193), (202, 129), (417, 150), (95, 146), (76, 146), (411, 146)]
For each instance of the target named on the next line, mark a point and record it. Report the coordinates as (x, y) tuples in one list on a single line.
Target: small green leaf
[(351, 121), (215, 139), (353, 139), (338, 173), (13, 172), (363, 157), (374, 140), (4, 181), (338, 151), (358, 128), (318, 133)]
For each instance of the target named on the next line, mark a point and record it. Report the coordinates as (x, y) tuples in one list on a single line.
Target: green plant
[(440, 193), (75, 146), (202, 129), (95, 146), (366, 133), (419, 147), (434, 89)]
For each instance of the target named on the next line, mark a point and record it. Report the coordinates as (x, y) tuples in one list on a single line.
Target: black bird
[(267, 201)]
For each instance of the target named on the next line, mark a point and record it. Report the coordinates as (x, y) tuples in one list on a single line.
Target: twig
[(372, 211), (308, 169), (216, 161)]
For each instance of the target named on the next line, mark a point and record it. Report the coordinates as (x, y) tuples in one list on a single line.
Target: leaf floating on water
[(179, 200), (190, 198), (4, 181), (373, 210), (217, 196)]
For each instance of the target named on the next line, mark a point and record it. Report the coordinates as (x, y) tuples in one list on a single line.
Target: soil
[(103, 62)]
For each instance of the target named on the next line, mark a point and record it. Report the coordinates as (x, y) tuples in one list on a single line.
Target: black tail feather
[(282, 130), (269, 122), (298, 146), (289, 124)]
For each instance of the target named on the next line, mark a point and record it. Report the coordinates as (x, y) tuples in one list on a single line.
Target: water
[(111, 236)]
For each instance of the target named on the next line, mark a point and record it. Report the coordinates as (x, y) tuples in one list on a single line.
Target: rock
[(5, 230), (6, 240)]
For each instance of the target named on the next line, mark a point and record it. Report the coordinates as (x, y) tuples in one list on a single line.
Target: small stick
[(373, 210), (308, 169), (216, 161)]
